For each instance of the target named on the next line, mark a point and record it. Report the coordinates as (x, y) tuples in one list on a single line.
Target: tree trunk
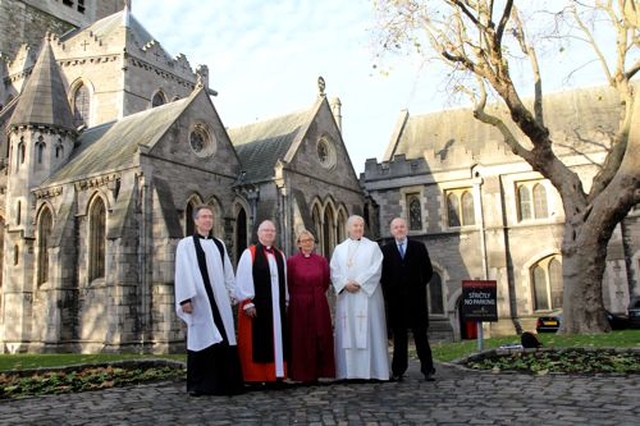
[(584, 261)]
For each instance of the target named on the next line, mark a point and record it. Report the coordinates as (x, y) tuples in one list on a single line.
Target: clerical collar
[(268, 249), (203, 237)]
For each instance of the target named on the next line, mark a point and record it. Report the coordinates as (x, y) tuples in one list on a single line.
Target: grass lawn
[(30, 361), (446, 352), (443, 352)]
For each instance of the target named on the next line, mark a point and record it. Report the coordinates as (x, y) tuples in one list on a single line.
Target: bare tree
[(480, 39)]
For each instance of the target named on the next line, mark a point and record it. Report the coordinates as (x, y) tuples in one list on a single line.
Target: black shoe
[(396, 378), (279, 384), (428, 377), (195, 394)]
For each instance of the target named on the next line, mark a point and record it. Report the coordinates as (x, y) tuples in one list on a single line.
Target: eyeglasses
[(306, 240)]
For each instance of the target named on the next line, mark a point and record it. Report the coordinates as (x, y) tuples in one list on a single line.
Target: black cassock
[(214, 370)]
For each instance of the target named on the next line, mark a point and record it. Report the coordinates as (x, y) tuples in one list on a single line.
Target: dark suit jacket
[(404, 282)]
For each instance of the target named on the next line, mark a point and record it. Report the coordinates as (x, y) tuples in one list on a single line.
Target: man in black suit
[(406, 271)]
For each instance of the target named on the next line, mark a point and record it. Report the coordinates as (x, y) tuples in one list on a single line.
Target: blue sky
[(264, 58)]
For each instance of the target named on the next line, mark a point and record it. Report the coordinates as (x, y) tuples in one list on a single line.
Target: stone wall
[(510, 246), (22, 23)]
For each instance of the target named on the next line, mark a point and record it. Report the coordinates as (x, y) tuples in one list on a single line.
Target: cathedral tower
[(41, 137)]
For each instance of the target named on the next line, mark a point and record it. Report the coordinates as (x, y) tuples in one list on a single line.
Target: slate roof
[(260, 145), (43, 101), (7, 111), (567, 114), (112, 146)]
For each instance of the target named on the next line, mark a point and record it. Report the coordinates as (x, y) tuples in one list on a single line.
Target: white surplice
[(202, 331), (360, 325)]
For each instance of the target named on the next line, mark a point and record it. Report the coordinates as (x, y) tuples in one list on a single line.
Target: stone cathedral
[(108, 142)]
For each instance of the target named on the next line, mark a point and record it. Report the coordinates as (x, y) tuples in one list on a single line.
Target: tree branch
[(504, 19), (591, 40), (480, 113), (528, 50), (632, 71), (463, 8)]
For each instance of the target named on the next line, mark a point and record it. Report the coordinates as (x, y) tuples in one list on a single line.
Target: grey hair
[(196, 210), (305, 232), (353, 218)]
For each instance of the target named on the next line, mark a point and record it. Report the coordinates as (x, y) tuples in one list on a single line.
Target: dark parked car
[(634, 312), (550, 323), (618, 321)]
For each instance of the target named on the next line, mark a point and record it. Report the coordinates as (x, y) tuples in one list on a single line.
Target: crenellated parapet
[(182, 63), (154, 55), (451, 156), (96, 182), (396, 168), (18, 67)]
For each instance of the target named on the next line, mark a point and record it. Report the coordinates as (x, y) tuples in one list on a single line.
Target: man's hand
[(251, 312), (187, 308), (352, 287)]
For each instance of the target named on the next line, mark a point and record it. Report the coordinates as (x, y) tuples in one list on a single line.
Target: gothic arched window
[(524, 203), (241, 232), (40, 147), (532, 200), (190, 227), (546, 277), (45, 225), (540, 209), (555, 281), (158, 99), (460, 207), (22, 152), (341, 226), (81, 106), (453, 207), (468, 211), (317, 224), (415, 213), (59, 149), (97, 239), (328, 230), (435, 296)]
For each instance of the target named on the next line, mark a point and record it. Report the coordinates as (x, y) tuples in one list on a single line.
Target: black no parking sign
[(479, 300)]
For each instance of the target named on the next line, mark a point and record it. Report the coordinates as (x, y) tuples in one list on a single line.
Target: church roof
[(7, 111), (569, 116), (260, 145), (113, 146), (43, 100)]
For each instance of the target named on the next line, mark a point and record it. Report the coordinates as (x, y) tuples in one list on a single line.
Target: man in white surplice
[(360, 331)]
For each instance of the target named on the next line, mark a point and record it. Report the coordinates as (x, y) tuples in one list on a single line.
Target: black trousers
[(400, 362)]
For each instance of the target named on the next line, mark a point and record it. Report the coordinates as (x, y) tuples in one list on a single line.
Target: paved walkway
[(457, 398)]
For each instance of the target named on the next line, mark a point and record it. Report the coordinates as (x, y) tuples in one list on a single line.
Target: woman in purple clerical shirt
[(311, 333)]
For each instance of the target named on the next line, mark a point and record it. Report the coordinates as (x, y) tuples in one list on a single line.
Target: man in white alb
[(360, 327)]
